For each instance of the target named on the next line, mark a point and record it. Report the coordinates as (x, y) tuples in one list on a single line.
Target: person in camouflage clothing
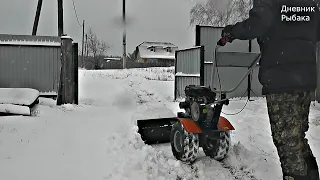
[(288, 113), (287, 32)]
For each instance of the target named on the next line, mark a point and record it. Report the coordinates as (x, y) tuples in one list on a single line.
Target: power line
[(75, 11)]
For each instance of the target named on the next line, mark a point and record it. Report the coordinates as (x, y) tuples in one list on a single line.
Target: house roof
[(9, 39), (162, 54), (161, 44)]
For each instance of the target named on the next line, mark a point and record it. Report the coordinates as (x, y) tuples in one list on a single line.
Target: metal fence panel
[(188, 69), (207, 36), (207, 73), (236, 59), (35, 67), (229, 79), (188, 61), (182, 82), (255, 46), (256, 86)]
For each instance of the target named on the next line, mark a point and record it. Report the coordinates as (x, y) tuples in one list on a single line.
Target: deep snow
[(98, 139)]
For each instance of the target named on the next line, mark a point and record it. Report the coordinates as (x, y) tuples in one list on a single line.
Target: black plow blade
[(155, 131)]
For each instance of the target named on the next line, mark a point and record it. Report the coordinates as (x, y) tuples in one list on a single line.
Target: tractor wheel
[(184, 145), (217, 148)]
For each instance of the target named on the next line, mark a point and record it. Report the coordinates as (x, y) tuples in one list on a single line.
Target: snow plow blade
[(155, 131)]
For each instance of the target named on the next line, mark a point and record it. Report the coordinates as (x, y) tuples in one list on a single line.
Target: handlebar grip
[(222, 42)]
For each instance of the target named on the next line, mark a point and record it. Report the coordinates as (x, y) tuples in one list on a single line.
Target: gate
[(30, 62), (189, 69)]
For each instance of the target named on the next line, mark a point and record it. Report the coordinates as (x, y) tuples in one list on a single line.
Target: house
[(160, 52)]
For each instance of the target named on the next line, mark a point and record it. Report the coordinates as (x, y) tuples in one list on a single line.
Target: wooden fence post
[(75, 72), (67, 84)]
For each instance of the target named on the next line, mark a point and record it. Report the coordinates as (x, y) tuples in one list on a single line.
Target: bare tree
[(96, 48), (219, 13), (131, 56)]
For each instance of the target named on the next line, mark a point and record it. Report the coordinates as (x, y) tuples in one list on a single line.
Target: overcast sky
[(149, 20)]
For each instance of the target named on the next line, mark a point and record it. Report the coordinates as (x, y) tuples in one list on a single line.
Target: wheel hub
[(177, 141), (195, 111), (210, 143)]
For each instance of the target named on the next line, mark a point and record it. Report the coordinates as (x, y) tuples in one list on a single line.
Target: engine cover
[(199, 94)]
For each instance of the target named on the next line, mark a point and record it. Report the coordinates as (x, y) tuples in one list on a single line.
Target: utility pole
[(36, 18), (86, 45), (124, 34), (60, 17), (82, 46), (87, 49)]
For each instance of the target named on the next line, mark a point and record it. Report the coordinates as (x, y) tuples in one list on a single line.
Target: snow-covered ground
[(98, 139)]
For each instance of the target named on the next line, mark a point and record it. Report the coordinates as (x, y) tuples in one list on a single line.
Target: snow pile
[(155, 73), (18, 96), (14, 109), (16, 100), (135, 160)]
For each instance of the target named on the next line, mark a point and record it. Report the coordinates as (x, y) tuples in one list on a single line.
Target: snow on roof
[(155, 44), (30, 43), (190, 48), (146, 53), (8, 39), (160, 53)]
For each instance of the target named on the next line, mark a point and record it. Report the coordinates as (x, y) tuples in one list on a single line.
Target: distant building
[(161, 52)]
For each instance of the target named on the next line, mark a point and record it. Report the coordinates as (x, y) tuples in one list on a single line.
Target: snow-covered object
[(18, 96), (14, 109)]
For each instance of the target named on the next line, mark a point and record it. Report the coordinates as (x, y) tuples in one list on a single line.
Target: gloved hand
[(226, 35)]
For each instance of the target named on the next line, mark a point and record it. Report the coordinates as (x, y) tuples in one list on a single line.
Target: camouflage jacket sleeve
[(259, 21)]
